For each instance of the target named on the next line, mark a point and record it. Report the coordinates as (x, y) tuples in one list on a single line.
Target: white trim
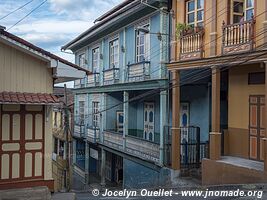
[(119, 30)]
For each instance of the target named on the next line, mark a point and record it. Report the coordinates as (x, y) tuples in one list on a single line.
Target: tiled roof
[(27, 98)]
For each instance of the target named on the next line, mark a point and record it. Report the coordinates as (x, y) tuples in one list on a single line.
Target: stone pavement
[(64, 196)]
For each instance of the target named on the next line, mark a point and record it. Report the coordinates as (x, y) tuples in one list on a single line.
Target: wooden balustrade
[(238, 37), (135, 146), (191, 45), (139, 71), (111, 76), (93, 134), (93, 79)]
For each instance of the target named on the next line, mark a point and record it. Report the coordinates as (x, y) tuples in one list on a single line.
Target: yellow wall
[(239, 91), (237, 135), (21, 72)]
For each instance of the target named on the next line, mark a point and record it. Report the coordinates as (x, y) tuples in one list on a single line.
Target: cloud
[(82, 9)]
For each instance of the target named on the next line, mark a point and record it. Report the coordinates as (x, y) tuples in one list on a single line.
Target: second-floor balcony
[(191, 44), (93, 79), (138, 71), (238, 37), (93, 134), (135, 146), (79, 130), (111, 76)]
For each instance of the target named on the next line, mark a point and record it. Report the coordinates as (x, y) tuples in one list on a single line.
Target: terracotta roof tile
[(27, 98)]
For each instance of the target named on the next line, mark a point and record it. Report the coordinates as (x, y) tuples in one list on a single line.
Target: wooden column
[(176, 120), (265, 139), (215, 135)]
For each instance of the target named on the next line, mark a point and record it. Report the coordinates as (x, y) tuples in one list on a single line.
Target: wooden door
[(22, 143), (149, 121), (256, 126)]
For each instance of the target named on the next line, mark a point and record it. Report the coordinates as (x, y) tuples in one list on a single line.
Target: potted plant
[(183, 29)]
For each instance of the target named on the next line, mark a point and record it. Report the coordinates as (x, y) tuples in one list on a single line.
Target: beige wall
[(239, 91), (21, 72), (237, 138), (48, 144)]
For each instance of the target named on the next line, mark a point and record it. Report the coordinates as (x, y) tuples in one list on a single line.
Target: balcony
[(93, 80), (135, 146), (93, 134), (191, 44), (79, 83), (111, 76), (79, 131), (138, 71), (238, 37)]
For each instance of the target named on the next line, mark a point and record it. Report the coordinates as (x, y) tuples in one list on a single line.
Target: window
[(95, 59), (82, 60), (142, 44), (114, 53), (55, 119), (195, 12), (96, 115), (81, 112), (256, 78), (55, 145), (242, 8)]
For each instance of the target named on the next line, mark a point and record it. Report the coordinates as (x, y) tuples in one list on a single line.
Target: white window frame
[(145, 44), (95, 59), (81, 59), (195, 11), (96, 114), (82, 112), (112, 54)]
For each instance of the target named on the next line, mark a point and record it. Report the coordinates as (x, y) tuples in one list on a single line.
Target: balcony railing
[(79, 83), (93, 79), (191, 44), (111, 76), (238, 37), (79, 131), (135, 146), (93, 134), (138, 71)]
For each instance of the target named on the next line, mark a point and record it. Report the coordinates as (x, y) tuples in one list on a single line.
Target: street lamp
[(146, 31)]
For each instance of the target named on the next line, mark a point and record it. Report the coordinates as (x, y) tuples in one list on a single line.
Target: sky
[(55, 23)]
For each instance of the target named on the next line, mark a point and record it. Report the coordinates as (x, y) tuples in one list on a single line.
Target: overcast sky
[(55, 23)]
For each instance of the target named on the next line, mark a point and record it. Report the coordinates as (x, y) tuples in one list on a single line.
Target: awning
[(28, 98)]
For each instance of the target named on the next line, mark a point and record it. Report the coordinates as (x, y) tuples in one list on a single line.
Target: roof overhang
[(63, 70), (112, 22), (220, 61)]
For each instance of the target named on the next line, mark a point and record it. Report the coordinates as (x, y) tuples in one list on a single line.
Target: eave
[(220, 61)]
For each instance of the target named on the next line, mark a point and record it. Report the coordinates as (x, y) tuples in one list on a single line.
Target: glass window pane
[(249, 14), (237, 18), (200, 15), (200, 4), (191, 6), (238, 7), (250, 3), (191, 18)]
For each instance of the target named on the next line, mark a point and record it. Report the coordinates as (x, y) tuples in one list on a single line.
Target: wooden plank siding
[(21, 72)]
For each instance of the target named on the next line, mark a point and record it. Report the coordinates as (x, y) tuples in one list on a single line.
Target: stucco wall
[(238, 112)]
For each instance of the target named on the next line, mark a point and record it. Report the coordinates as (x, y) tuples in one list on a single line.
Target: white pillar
[(163, 122), (125, 117)]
